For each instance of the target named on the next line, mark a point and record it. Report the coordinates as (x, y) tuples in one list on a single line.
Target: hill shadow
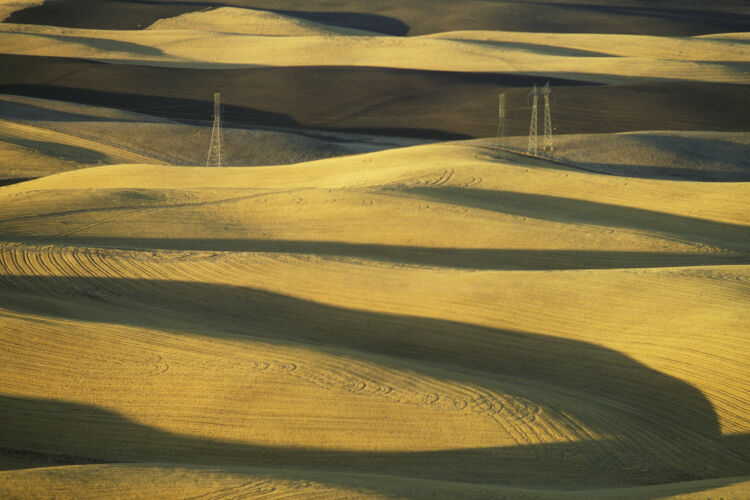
[(108, 437), (570, 210), (261, 315), (355, 20), (367, 98), (60, 151), (707, 159), (718, 21), (607, 392), (180, 109), (382, 100), (408, 255), (536, 48), (666, 173), (102, 14), (21, 112), (105, 44), (15, 180), (419, 17), (196, 112), (720, 160), (132, 14)]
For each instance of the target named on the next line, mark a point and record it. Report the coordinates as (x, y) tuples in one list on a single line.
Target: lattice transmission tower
[(500, 116), (214, 149), (533, 147), (547, 92)]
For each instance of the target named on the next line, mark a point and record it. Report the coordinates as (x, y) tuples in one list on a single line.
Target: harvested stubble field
[(346, 313)]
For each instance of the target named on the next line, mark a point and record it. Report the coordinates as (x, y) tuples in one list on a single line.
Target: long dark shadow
[(355, 20), (99, 435), (334, 98), (670, 18), (25, 112), (63, 152), (716, 159), (102, 14), (732, 173), (719, 161), (15, 180), (569, 210), (720, 21), (188, 110), (617, 396), (199, 112), (459, 258), (457, 104), (105, 44), (537, 48)]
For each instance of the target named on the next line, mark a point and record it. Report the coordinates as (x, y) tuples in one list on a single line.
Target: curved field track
[(384, 290), (208, 482), (556, 332)]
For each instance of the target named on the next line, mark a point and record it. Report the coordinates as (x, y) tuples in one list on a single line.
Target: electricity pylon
[(546, 92), (533, 144), (214, 149), (500, 116)]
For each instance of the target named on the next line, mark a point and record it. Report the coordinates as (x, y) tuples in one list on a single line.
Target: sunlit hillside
[(354, 300)]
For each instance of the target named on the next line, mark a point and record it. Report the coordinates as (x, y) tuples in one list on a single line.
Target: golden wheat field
[(374, 294)]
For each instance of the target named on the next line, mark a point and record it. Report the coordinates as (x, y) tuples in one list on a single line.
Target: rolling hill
[(300, 292), (373, 296)]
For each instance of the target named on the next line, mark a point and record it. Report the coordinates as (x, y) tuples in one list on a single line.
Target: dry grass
[(43, 137), (139, 480), (8, 7), (251, 22), (449, 320), (640, 58), (392, 313), (418, 17), (28, 151), (706, 156)]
